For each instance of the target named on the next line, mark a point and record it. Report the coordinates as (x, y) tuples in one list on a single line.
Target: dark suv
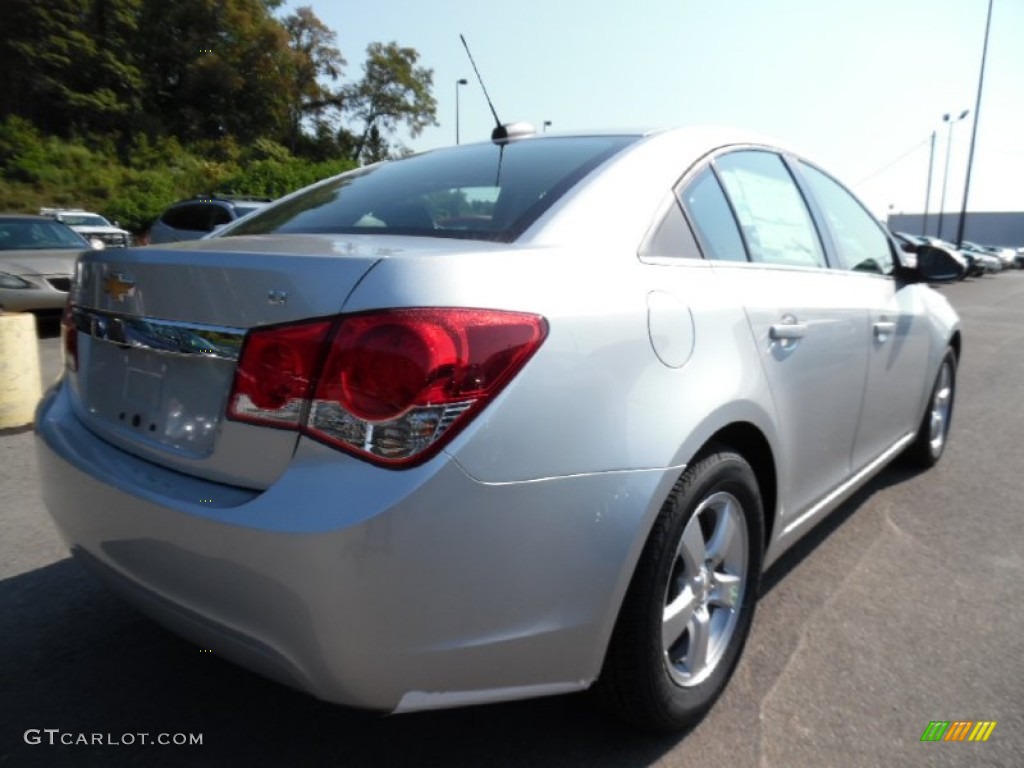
[(191, 219)]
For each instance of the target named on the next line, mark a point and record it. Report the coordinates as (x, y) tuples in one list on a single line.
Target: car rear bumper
[(367, 587)]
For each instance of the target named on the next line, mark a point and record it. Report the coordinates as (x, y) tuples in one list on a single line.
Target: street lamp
[(460, 81), (547, 124), (974, 131), (948, 118), (928, 188)]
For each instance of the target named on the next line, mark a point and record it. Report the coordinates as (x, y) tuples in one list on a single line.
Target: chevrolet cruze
[(509, 419)]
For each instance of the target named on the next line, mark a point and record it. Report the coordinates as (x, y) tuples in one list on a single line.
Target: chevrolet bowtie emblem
[(118, 287)]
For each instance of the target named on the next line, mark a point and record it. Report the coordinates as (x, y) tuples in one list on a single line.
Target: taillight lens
[(69, 336), (275, 373), (390, 386)]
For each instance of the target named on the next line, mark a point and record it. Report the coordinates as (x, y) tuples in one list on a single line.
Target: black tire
[(659, 688), (930, 442)]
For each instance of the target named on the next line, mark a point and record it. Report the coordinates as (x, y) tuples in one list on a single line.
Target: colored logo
[(118, 286), (958, 730)]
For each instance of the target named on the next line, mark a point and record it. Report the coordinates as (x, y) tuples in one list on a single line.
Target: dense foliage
[(123, 106)]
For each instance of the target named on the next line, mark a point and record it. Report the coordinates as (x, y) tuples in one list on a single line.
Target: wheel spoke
[(727, 590), (699, 631), (724, 539), (691, 546), (676, 617)]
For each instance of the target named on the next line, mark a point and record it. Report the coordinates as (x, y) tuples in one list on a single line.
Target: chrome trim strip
[(167, 337), (845, 489)]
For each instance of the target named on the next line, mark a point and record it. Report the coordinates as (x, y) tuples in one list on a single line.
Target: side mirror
[(936, 265)]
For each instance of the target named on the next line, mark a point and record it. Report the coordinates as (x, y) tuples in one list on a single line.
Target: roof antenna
[(502, 134)]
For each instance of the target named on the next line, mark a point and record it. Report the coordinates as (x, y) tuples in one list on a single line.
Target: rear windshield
[(476, 191)]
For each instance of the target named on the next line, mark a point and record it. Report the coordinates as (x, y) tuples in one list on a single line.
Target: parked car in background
[(1008, 256), (988, 260), (404, 466), (37, 262), (199, 216), (91, 226)]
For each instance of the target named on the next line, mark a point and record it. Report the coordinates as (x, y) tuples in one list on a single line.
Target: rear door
[(751, 217)]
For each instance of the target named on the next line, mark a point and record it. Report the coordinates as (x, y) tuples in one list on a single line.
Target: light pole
[(974, 131), (547, 124), (460, 81), (928, 188), (948, 118)]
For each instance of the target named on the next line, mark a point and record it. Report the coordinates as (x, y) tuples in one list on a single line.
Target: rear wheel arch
[(750, 442)]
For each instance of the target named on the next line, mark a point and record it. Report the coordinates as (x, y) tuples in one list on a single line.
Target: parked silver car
[(497, 421), (37, 262)]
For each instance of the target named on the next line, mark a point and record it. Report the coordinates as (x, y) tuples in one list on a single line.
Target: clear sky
[(857, 86)]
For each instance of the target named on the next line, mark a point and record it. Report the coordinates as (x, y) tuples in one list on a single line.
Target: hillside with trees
[(123, 106)]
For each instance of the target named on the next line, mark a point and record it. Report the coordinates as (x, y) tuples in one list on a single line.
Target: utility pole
[(928, 187), (974, 132)]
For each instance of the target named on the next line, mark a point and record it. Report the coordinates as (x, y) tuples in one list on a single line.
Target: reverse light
[(389, 386)]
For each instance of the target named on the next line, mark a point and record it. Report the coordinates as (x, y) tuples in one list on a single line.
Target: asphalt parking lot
[(902, 608)]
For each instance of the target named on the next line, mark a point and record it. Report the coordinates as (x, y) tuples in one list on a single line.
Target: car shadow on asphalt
[(812, 540)]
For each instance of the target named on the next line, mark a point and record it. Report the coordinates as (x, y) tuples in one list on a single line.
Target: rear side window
[(709, 211), (193, 217), (776, 224), (220, 215), (671, 238), (478, 191)]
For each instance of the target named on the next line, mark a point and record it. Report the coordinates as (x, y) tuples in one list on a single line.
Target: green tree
[(215, 68), (315, 58), (393, 92), (68, 64)]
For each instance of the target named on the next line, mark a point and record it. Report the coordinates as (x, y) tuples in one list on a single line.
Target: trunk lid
[(159, 331)]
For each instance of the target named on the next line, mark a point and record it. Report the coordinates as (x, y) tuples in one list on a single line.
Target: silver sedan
[(504, 420), (37, 262)]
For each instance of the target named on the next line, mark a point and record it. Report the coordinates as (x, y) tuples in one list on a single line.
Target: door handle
[(787, 331), (883, 329)]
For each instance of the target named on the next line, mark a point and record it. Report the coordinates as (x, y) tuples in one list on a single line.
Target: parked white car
[(93, 227)]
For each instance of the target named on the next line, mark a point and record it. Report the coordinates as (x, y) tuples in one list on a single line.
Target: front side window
[(477, 191), (860, 243), (776, 224)]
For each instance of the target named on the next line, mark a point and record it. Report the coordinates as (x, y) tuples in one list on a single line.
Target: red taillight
[(69, 336), (391, 386), (275, 373)]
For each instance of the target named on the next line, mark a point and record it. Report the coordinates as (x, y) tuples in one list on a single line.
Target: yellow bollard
[(20, 379)]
